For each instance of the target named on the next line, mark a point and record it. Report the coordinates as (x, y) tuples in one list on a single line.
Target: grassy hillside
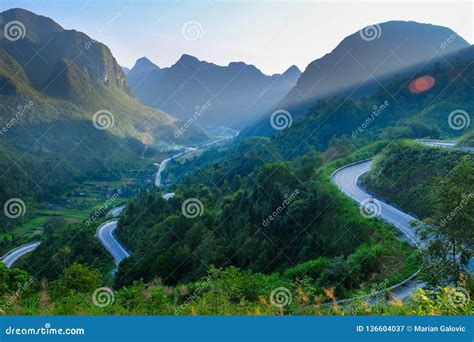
[(239, 192), (395, 111), (467, 140), (404, 173), (228, 291), (71, 119)]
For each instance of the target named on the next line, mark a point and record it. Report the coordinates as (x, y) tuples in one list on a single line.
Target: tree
[(76, 278), (448, 234)]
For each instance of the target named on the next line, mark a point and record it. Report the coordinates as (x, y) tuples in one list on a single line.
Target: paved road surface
[(11, 257), (105, 234), (117, 211), (446, 144), (347, 179)]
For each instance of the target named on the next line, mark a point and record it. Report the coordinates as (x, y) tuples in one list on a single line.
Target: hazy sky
[(272, 35)]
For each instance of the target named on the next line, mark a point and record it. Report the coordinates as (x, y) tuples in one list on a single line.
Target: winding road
[(105, 234), (347, 179), (445, 144), (11, 257)]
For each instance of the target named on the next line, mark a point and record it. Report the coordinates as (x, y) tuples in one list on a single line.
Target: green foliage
[(238, 226), (227, 291), (467, 140), (449, 232), (11, 280), (392, 112), (405, 171), (65, 246), (76, 278)]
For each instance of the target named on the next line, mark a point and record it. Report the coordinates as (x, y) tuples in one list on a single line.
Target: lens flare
[(422, 84)]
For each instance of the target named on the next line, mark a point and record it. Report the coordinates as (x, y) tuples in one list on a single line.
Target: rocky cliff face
[(38, 43)]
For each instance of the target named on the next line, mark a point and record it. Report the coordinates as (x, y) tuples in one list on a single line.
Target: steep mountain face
[(143, 67), (233, 95), (58, 64), (45, 43), (365, 60), (66, 108), (404, 108)]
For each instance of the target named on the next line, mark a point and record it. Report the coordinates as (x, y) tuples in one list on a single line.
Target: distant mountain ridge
[(239, 93), (69, 65), (364, 61), (46, 42), (356, 60), (80, 114)]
